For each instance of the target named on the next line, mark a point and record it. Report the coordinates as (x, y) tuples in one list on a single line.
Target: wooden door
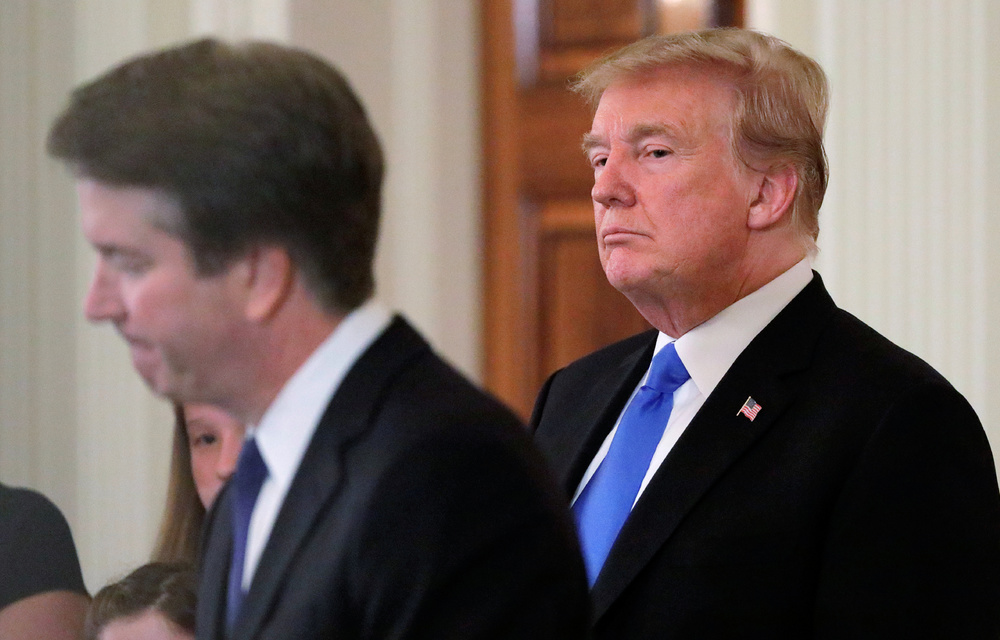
[(547, 301)]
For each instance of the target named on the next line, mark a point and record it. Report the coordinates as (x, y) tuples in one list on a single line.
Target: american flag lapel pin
[(750, 409)]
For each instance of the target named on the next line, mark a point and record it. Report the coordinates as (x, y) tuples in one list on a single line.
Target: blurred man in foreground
[(232, 193)]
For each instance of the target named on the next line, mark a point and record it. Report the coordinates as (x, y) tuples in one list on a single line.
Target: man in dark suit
[(777, 469), (232, 193)]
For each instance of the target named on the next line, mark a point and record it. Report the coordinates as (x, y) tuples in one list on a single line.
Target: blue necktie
[(251, 471), (606, 501)]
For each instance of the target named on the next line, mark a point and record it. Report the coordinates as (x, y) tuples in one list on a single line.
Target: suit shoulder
[(431, 388), (401, 373), (613, 354), (604, 371), (29, 514), (851, 340), (36, 547), (428, 405)]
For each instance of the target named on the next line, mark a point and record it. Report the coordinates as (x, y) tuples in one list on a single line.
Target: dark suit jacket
[(861, 502), (420, 510)]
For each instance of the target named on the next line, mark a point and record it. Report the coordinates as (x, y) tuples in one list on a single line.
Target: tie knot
[(667, 372), (251, 470)]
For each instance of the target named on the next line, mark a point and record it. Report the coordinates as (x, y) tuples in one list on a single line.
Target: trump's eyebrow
[(650, 130), (590, 141), (635, 134)]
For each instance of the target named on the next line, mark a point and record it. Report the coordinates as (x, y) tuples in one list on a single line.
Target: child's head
[(154, 602)]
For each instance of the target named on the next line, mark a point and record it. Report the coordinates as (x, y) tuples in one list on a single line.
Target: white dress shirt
[(708, 351), (289, 423)]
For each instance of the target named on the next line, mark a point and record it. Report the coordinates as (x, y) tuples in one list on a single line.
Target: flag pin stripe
[(750, 409)]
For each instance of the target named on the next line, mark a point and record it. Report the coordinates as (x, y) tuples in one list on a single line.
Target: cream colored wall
[(75, 421)]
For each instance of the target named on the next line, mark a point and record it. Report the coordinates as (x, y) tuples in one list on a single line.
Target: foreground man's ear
[(271, 276)]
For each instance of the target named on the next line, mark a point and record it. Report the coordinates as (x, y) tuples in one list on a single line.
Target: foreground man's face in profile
[(179, 325)]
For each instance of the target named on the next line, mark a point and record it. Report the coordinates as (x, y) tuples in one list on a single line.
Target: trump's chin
[(623, 272)]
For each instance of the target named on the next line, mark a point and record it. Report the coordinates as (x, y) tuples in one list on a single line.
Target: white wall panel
[(17, 372), (236, 19)]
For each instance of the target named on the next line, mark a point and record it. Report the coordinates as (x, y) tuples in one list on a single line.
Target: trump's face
[(184, 330), (670, 199)]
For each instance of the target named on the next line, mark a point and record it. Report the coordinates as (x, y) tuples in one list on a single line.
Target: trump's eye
[(659, 153)]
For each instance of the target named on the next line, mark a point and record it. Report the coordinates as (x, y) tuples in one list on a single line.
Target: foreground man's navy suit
[(420, 510)]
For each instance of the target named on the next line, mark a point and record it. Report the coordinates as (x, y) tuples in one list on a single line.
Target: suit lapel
[(595, 414), (346, 420), (717, 436)]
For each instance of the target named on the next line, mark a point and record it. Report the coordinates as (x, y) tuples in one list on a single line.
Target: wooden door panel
[(572, 33), (579, 310), (585, 22), (552, 164), (571, 313)]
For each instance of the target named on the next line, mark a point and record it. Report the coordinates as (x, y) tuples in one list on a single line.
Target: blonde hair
[(781, 102)]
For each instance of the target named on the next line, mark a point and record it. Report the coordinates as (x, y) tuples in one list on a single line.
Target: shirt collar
[(711, 348), (288, 425)]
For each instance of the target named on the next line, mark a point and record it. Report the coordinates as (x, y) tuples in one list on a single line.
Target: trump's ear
[(271, 276), (774, 197)]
